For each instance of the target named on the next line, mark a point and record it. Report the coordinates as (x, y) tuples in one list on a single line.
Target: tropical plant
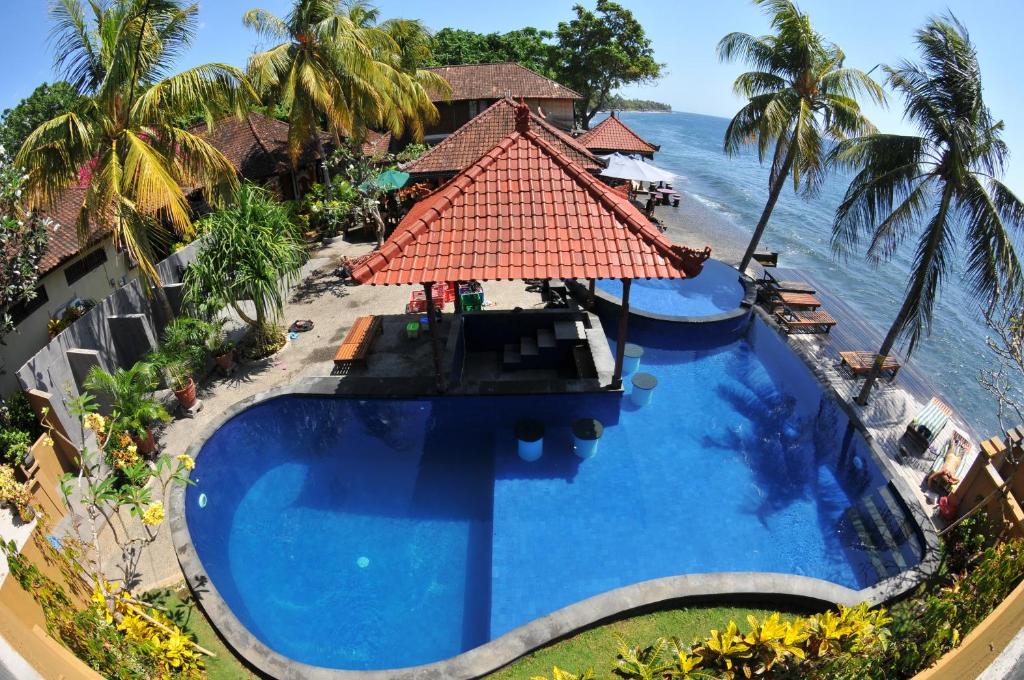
[(130, 391), (183, 350), (16, 494), (331, 207), (559, 674), (251, 252), (943, 184), (637, 662), (800, 95), (527, 47), (121, 141), (46, 102), (598, 52), (23, 239), (334, 62)]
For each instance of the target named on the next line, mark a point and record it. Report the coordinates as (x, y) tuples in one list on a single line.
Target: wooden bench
[(358, 341), (861, 363), (805, 322), (776, 299)]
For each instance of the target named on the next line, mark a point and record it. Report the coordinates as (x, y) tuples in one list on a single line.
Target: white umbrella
[(625, 167)]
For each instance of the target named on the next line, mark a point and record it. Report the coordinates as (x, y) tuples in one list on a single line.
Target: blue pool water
[(371, 534), (716, 290)]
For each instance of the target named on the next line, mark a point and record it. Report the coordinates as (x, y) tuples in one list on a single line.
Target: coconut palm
[(121, 141), (252, 251), (942, 184), (799, 96), (333, 62)]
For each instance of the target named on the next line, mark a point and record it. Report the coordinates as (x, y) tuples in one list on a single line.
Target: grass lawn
[(596, 648), (187, 615)]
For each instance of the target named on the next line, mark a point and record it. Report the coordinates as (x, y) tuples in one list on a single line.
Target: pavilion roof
[(611, 135), (524, 210), (467, 144)]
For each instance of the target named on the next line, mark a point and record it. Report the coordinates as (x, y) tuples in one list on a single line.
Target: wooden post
[(593, 287), (620, 348), (428, 292), (458, 299)]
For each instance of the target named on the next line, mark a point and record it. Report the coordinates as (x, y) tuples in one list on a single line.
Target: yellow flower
[(154, 514), (186, 461), (95, 422), (47, 440)]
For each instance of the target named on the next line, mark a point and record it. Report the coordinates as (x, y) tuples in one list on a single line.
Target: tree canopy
[(46, 102), (599, 52), (529, 47), (23, 241)]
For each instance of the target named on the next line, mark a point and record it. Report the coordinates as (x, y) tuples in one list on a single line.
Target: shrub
[(14, 445)]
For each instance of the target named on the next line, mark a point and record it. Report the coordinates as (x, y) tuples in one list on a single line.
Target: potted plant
[(135, 409), (182, 354), (222, 349), (16, 495)]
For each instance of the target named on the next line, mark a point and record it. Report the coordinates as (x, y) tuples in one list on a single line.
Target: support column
[(593, 287), (428, 292), (620, 347), (458, 298)]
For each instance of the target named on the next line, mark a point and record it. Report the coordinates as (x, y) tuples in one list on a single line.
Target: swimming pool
[(716, 291), (377, 533)]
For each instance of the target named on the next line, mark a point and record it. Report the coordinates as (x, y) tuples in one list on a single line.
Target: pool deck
[(891, 406)]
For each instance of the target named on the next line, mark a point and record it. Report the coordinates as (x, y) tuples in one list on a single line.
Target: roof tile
[(611, 135)]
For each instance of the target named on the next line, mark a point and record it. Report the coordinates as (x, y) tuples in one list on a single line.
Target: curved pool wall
[(832, 427)]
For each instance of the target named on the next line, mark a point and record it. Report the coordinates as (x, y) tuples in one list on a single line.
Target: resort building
[(611, 135), (474, 87), (465, 146), (258, 149), (71, 274)]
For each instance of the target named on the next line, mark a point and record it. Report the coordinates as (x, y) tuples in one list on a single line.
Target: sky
[(683, 32)]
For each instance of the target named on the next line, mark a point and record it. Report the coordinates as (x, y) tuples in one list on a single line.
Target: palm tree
[(799, 95), (334, 63), (253, 250), (943, 184), (122, 140)]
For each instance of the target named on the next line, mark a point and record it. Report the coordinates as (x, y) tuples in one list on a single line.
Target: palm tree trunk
[(773, 197), (323, 157), (912, 300)]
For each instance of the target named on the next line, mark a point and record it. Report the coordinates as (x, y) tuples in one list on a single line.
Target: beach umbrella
[(389, 180), (625, 167)]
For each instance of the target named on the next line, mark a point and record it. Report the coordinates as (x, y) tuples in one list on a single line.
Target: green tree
[(942, 184), (334, 63), (23, 240), (799, 96), (599, 52), (252, 251), (121, 139), (529, 47), (45, 102)]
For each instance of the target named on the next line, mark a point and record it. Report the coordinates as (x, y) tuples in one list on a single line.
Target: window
[(85, 265), (24, 309)]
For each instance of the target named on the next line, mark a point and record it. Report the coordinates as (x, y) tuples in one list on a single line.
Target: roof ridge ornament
[(522, 117)]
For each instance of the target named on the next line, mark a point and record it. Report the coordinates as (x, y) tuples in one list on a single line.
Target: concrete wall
[(31, 334), (48, 370)]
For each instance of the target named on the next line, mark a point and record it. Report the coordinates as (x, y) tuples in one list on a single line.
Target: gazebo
[(611, 135), (526, 211)]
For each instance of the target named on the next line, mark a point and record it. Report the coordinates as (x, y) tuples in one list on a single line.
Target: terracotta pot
[(226, 361), (146, 446), (26, 513), (187, 395)]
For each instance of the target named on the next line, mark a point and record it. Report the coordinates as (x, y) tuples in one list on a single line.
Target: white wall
[(31, 334)]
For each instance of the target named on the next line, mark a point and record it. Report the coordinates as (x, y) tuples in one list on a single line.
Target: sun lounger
[(795, 321), (861, 363), (771, 282), (767, 259), (925, 427), (775, 299), (358, 341)]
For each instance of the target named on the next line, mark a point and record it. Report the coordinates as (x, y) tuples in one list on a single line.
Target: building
[(611, 135), (257, 146), (464, 147), (70, 273), (474, 87)]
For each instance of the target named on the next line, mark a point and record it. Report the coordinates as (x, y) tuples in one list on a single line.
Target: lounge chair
[(795, 321), (950, 465), (861, 363), (358, 341), (767, 259), (769, 281), (775, 299), (926, 426)]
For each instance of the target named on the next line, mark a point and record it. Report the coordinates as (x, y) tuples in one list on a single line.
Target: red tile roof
[(611, 135), (63, 243), (463, 147), (525, 211), (493, 81), (258, 147)]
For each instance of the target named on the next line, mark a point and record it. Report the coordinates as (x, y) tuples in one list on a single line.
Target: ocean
[(734, 190)]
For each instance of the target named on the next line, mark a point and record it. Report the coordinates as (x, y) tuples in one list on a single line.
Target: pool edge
[(766, 587)]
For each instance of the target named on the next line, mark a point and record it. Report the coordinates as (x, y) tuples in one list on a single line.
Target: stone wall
[(116, 332)]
